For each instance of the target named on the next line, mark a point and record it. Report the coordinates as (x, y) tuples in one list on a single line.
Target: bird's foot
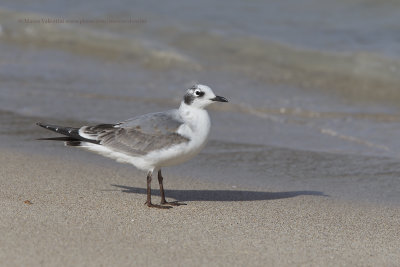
[(151, 205), (172, 203)]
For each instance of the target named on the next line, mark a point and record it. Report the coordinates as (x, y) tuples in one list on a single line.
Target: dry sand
[(59, 213)]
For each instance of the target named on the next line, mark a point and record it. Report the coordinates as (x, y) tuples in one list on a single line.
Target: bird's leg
[(163, 201), (148, 202), (160, 181)]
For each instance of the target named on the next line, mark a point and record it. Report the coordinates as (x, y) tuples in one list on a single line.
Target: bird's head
[(200, 96)]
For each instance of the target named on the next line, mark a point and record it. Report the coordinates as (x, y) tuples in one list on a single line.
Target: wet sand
[(59, 212)]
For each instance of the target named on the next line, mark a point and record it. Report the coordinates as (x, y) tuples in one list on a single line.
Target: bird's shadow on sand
[(221, 195)]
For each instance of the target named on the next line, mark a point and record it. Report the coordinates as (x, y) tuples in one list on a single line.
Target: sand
[(57, 212)]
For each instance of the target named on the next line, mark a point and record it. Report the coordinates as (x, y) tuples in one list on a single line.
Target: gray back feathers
[(140, 135)]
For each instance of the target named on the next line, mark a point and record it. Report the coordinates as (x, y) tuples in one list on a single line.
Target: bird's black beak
[(219, 99)]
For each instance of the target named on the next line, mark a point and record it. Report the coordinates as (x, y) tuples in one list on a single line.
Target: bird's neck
[(194, 117)]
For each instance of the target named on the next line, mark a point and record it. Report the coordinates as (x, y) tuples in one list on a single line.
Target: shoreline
[(78, 218)]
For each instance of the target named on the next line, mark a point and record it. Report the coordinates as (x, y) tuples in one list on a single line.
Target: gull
[(151, 141)]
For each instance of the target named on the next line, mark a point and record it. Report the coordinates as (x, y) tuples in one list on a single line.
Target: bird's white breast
[(196, 128)]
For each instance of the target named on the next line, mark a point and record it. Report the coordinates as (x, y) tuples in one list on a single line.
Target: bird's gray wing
[(140, 135), (155, 123)]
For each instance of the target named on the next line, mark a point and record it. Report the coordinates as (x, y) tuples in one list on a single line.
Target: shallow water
[(271, 171), (303, 78)]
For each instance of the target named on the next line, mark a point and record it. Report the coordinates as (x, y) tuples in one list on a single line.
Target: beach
[(302, 165), (77, 218), (59, 211)]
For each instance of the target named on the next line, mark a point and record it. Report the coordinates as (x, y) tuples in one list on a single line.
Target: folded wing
[(140, 135)]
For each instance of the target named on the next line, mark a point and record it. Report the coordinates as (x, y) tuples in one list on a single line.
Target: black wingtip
[(73, 138), (62, 138)]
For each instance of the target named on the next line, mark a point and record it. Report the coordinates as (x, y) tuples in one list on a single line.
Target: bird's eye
[(198, 93)]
